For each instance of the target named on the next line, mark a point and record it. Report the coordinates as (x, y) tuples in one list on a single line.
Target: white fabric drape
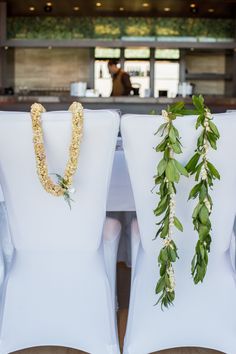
[(203, 315), (58, 291)]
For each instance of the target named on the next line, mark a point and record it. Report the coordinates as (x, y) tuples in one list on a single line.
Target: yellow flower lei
[(62, 188)]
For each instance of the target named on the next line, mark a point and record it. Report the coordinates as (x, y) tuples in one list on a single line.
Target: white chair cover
[(6, 245), (111, 238), (203, 315), (120, 203), (120, 196), (57, 291)]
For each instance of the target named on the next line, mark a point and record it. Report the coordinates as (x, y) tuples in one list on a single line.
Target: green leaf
[(174, 246), (157, 233), (192, 162), (204, 215), (202, 251), (201, 99), (163, 256), (201, 271), (198, 102), (162, 269), (58, 176), (172, 254), (206, 257), (160, 222), (193, 264), (160, 285), (203, 231), (194, 192), (176, 148), (163, 188), (161, 146), (189, 112), (68, 199), (179, 141), (209, 179), (167, 280), (182, 170), (161, 128), (200, 120), (172, 172), (171, 296), (161, 167), (200, 140), (212, 140), (158, 179), (213, 170), (178, 224), (198, 171), (171, 188), (214, 129), (196, 210), (165, 229), (176, 107), (172, 135), (163, 204), (203, 192), (176, 131), (208, 242)]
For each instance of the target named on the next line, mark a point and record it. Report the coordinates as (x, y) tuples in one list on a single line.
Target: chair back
[(38, 220), (139, 142)]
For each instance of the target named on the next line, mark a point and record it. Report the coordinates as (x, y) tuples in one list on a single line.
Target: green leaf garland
[(168, 174), (205, 173), (169, 171)]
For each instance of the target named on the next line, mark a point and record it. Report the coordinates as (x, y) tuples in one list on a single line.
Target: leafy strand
[(205, 173), (168, 174)]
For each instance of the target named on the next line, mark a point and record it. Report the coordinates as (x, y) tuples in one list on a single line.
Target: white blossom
[(208, 115), (72, 190), (170, 272), (203, 173), (207, 204), (165, 115), (167, 242), (206, 146), (206, 125)]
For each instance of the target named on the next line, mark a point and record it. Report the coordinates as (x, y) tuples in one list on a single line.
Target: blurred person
[(121, 84)]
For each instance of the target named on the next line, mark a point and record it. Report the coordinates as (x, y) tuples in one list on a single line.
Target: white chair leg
[(5, 238), (135, 243), (111, 238), (3, 231), (232, 251)]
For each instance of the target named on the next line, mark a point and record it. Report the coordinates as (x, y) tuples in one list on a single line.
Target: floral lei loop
[(62, 188)]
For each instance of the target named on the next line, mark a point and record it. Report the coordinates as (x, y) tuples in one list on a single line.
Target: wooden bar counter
[(131, 104)]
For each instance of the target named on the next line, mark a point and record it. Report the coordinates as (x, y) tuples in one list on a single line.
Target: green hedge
[(116, 28)]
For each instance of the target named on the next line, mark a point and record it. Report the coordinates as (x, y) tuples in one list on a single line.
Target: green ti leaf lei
[(205, 173), (169, 171)]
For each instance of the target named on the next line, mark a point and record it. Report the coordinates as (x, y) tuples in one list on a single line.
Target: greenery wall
[(117, 28)]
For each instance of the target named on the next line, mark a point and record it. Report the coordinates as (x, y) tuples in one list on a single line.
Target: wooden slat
[(90, 43)]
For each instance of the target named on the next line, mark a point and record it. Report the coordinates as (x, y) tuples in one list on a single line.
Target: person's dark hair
[(113, 61)]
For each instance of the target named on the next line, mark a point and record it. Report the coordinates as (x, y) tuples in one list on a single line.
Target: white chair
[(232, 249), (6, 248), (58, 291), (111, 238), (203, 315)]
